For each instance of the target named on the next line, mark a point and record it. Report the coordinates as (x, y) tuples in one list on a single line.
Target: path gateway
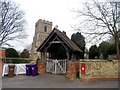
[(56, 50), (56, 66)]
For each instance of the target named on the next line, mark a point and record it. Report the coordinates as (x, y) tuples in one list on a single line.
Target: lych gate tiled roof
[(65, 39)]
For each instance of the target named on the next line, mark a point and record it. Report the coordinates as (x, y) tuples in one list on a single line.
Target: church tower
[(42, 30)]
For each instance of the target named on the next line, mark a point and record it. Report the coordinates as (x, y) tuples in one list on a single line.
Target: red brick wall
[(72, 68), (41, 67), (2, 53), (1, 66), (2, 56)]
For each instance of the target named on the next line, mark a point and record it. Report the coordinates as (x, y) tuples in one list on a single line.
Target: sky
[(59, 12)]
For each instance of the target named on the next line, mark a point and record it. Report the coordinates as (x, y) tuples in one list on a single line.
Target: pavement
[(52, 81)]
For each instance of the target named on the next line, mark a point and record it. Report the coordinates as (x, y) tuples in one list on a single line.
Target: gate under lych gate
[(56, 66)]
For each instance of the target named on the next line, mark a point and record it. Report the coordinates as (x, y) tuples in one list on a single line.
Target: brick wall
[(1, 67), (72, 69), (2, 56), (41, 67)]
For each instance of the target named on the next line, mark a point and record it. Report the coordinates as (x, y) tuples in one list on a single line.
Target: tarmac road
[(52, 81)]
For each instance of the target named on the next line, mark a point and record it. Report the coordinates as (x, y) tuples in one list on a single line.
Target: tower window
[(45, 29)]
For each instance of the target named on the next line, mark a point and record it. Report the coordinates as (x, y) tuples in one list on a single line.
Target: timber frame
[(55, 40)]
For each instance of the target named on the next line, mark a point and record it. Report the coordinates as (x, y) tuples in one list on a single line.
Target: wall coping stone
[(97, 60)]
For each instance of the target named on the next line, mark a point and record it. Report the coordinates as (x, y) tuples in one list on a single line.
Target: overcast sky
[(60, 12), (57, 11)]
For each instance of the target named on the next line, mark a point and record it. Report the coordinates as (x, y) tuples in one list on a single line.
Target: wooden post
[(55, 62), (55, 68), (67, 53), (49, 55), (41, 55), (73, 56), (47, 66), (45, 55), (65, 65)]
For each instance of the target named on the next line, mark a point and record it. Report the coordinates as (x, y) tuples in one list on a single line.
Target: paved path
[(52, 81)]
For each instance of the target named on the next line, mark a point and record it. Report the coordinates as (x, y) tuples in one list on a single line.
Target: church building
[(42, 30)]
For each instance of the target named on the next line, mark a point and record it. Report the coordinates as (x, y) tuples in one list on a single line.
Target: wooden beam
[(63, 45), (57, 42), (51, 43)]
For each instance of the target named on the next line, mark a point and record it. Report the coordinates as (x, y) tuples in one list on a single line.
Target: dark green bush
[(17, 61)]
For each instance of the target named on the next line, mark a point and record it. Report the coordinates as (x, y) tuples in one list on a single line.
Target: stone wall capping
[(97, 60)]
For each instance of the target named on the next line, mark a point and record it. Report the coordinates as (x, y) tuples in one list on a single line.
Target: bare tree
[(100, 19), (11, 22)]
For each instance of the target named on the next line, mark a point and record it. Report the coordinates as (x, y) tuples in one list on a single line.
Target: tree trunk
[(117, 47)]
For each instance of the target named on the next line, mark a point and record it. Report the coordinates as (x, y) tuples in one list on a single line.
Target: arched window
[(45, 29)]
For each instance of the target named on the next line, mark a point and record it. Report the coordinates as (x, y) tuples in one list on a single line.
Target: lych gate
[(56, 50), (56, 66)]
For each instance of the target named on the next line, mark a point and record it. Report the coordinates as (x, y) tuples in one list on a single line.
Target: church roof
[(64, 38)]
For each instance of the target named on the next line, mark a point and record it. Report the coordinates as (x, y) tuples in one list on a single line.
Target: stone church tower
[(42, 30)]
